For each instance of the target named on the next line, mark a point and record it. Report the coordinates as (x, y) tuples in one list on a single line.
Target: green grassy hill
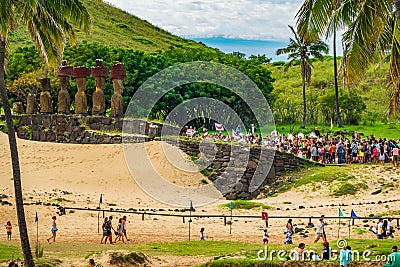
[(372, 88), (117, 28)]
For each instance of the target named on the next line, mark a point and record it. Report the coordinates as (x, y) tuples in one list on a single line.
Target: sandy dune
[(76, 175)]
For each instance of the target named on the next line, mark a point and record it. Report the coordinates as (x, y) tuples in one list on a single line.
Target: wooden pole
[(37, 234), (98, 220), (230, 225), (190, 220), (349, 228), (338, 231)]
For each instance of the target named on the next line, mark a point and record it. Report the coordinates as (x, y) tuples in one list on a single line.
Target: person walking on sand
[(289, 232), (124, 225), (265, 236), (103, 227), (108, 226), (120, 230), (53, 230), (320, 229), (202, 234), (9, 230)]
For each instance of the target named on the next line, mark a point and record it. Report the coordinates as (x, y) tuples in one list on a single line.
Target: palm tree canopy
[(50, 23), (303, 47), (365, 22)]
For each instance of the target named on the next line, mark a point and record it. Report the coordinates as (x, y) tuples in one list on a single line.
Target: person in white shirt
[(379, 229), (390, 230), (320, 229)]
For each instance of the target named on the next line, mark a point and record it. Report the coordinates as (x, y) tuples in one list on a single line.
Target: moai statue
[(31, 104), (117, 74), (80, 74), (99, 72), (46, 104), (18, 108), (64, 100)]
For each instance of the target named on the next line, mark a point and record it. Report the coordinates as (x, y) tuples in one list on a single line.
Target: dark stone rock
[(377, 192)]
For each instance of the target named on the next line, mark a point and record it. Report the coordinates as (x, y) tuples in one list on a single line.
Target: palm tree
[(300, 49), (372, 34), (49, 22), (305, 22)]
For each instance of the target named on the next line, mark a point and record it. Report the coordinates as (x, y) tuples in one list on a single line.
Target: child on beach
[(9, 230), (54, 230), (265, 237), (120, 230), (345, 256), (202, 234)]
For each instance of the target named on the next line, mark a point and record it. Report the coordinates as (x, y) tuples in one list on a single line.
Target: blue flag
[(101, 198), (191, 206), (353, 215), (230, 206), (36, 218)]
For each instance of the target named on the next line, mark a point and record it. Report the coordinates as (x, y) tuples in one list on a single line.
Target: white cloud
[(245, 19)]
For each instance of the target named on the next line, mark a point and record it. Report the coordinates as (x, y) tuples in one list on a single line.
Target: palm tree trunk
[(335, 69), (303, 82), (26, 249)]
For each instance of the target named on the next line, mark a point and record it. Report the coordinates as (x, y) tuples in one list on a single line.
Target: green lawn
[(221, 251), (245, 205)]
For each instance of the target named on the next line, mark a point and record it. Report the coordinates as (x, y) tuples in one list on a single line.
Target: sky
[(236, 19)]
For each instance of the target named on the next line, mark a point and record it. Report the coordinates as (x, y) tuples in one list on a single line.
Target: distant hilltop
[(114, 27)]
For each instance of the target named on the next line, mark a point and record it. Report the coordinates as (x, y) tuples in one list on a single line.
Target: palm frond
[(6, 17), (362, 35)]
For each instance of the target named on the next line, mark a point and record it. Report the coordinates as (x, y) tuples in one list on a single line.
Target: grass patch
[(240, 263), (323, 174), (131, 258), (346, 188), (245, 205), (205, 172), (9, 252), (360, 231), (204, 181), (199, 248), (387, 186), (47, 262), (61, 199), (387, 213), (287, 202)]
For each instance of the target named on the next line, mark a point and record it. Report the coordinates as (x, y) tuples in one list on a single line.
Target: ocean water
[(247, 47)]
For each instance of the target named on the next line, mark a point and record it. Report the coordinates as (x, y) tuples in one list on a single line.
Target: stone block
[(118, 71), (81, 72)]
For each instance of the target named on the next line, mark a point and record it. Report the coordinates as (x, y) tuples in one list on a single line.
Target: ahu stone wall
[(231, 162), (76, 129)]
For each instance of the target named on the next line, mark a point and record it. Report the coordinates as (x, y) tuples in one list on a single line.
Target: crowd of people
[(341, 149), (316, 147), (383, 229)]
